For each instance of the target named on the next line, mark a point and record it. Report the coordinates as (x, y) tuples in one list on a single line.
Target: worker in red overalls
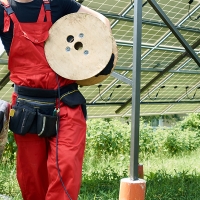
[(48, 112)]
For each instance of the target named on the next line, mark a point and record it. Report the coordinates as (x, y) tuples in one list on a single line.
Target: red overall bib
[(36, 157)]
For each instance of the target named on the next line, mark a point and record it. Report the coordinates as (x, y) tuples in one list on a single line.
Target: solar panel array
[(170, 78)]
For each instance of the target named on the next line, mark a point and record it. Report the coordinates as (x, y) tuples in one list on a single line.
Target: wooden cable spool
[(79, 47)]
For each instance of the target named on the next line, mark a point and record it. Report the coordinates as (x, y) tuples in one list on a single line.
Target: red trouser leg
[(32, 166), (36, 159), (71, 145)]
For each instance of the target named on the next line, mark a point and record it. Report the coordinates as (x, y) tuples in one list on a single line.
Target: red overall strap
[(7, 11), (6, 22), (47, 10), (41, 14)]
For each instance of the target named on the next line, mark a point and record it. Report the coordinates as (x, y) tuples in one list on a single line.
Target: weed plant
[(181, 186)]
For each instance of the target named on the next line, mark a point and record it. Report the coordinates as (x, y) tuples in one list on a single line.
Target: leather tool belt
[(35, 109)]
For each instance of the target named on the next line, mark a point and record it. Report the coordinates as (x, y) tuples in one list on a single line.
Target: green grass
[(168, 178), (175, 178), (189, 162), (180, 186), (8, 182), (170, 158)]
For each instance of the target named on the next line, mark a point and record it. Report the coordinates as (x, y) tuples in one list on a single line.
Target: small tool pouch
[(46, 125), (72, 97), (21, 119), (34, 115)]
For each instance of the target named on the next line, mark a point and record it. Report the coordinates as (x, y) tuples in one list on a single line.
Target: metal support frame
[(169, 102), (149, 22), (3, 61), (5, 80), (154, 70), (189, 50), (143, 103), (122, 78), (158, 46), (135, 117), (145, 46), (167, 69), (174, 30), (130, 19)]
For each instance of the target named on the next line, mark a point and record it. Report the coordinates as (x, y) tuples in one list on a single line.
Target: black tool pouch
[(33, 115), (22, 119), (46, 125)]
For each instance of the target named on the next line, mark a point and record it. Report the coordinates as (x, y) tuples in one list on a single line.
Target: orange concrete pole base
[(140, 171), (132, 189)]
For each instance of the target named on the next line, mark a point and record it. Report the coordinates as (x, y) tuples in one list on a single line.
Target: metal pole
[(174, 30), (134, 154)]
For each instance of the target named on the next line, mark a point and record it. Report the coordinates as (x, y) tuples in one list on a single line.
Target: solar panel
[(170, 77)]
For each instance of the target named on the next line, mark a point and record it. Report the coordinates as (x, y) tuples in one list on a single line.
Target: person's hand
[(108, 68)]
